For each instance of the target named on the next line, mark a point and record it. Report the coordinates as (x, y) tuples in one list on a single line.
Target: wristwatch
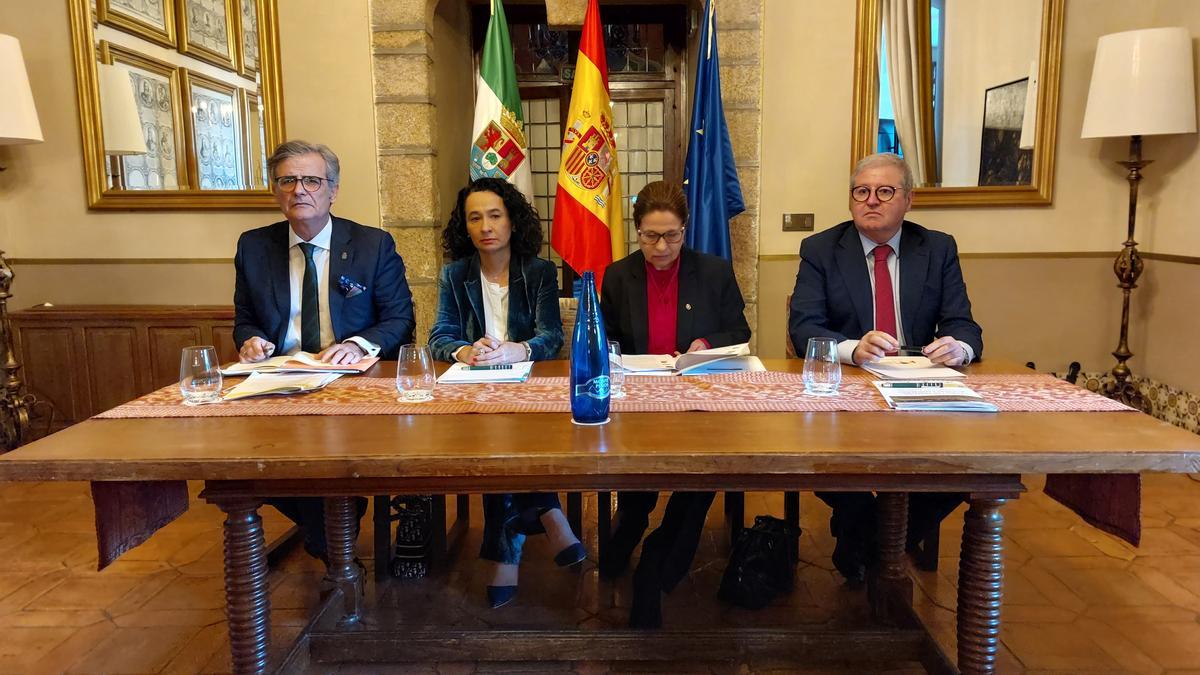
[(528, 351)]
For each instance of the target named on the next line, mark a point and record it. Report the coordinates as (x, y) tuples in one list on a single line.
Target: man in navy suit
[(874, 283), (319, 284)]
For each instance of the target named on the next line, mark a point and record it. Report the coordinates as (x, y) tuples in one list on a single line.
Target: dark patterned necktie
[(310, 308)]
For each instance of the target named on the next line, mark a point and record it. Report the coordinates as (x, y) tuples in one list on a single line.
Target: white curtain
[(899, 30)]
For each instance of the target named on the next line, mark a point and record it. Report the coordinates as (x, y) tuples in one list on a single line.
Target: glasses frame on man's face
[(651, 238), (309, 183), (884, 193)]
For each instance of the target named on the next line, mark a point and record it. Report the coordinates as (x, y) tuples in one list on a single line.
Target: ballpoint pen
[(912, 385)]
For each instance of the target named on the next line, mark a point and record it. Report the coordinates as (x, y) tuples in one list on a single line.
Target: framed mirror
[(179, 101), (966, 92)]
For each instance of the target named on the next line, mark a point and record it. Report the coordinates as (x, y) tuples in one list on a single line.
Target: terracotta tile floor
[(1077, 600)]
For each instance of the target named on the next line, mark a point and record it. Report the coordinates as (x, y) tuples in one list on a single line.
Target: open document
[(932, 395), (263, 384), (911, 368), (461, 373), (300, 362), (734, 358)]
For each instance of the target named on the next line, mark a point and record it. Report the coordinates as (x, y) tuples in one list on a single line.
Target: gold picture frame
[(207, 34), (165, 145), (148, 24), (216, 148), (255, 149), (249, 48), (96, 165)]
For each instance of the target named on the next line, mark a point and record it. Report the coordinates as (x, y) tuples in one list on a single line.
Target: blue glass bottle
[(589, 359)]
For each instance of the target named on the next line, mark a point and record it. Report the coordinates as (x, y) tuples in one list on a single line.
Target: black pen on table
[(910, 349)]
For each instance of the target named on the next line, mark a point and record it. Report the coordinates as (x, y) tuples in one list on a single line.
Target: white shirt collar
[(869, 246), (320, 241)]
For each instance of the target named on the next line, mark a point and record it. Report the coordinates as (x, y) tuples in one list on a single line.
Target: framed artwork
[(153, 20), (206, 31), (160, 111), (255, 140), (247, 38), (1001, 160), (216, 153)]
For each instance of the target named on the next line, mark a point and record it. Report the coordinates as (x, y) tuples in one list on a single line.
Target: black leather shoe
[(850, 562), (571, 555), (499, 596)]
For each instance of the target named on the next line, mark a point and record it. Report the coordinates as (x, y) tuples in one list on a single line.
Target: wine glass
[(415, 374), (200, 375)]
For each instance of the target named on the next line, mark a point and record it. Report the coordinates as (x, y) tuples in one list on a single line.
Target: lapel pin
[(344, 256), (688, 306)]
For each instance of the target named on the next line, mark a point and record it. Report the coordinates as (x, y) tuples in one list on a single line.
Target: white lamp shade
[(118, 112), (18, 116), (1142, 85)]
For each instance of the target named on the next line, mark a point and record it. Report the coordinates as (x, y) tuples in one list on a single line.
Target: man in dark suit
[(874, 283), (319, 284)]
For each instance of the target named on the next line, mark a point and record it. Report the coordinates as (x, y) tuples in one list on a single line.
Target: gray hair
[(295, 148), (884, 159)]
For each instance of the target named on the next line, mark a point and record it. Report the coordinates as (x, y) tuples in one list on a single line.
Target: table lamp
[(1142, 84), (18, 125)]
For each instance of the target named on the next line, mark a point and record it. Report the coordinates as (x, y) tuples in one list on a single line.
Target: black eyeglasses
[(651, 238), (861, 193), (310, 183)]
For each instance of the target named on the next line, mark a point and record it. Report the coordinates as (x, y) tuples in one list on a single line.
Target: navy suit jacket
[(382, 314), (833, 297), (533, 315), (710, 303)]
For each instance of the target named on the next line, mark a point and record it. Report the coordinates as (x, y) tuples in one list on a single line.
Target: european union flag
[(710, 176)]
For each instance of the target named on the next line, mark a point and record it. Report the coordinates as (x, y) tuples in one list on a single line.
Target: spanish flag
[(587, 229)]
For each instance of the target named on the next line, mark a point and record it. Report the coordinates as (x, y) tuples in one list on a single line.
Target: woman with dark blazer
[(498, 304), (665, 299)]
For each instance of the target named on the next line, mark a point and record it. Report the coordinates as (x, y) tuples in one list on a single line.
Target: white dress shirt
[(846, 347), (495, 308), (291, 339)]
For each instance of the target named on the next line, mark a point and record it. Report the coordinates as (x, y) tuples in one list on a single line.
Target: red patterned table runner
[(736, 392)]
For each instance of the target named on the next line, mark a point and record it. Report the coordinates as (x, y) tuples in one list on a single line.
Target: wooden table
[(245, 459)]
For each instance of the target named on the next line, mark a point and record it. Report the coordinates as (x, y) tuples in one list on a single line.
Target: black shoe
[(614, 555), (571, 555), (499, 596), (850, 562)]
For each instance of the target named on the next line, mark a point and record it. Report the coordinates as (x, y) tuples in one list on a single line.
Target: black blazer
[(710, 303), (382, 313), (832, 297)]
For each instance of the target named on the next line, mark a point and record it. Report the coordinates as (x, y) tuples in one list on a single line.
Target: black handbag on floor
[(760, 565)]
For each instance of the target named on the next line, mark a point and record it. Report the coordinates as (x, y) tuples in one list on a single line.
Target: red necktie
[(885, 306)]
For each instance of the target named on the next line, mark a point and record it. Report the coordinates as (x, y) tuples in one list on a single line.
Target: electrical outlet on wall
[(797, 222)]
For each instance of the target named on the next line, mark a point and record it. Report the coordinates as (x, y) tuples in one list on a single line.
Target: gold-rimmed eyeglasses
[(651, 238), (861, 193), (310, 183)]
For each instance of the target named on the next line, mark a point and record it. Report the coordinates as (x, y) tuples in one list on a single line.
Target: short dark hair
[(660, 196), (526, 239), (296, 148)]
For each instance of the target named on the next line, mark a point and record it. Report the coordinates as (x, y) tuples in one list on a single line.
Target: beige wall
[(1051, 310), (987, 43), (43, 211)]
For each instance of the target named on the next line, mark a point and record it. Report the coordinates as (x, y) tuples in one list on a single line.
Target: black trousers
[(669, 550), (854, 514), (309, 514), (507, 518)]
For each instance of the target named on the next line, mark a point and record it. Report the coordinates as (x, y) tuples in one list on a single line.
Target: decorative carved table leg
[(247, 601), (340, 514), (890, 581), (980, 587)]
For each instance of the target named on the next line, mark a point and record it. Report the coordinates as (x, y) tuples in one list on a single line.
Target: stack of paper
[(733, 358), (932, 395), (262, 384), (461, 373), (910, 368), (300, 362)]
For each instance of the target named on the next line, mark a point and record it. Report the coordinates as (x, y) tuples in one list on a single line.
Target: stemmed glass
[(415, 374)]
